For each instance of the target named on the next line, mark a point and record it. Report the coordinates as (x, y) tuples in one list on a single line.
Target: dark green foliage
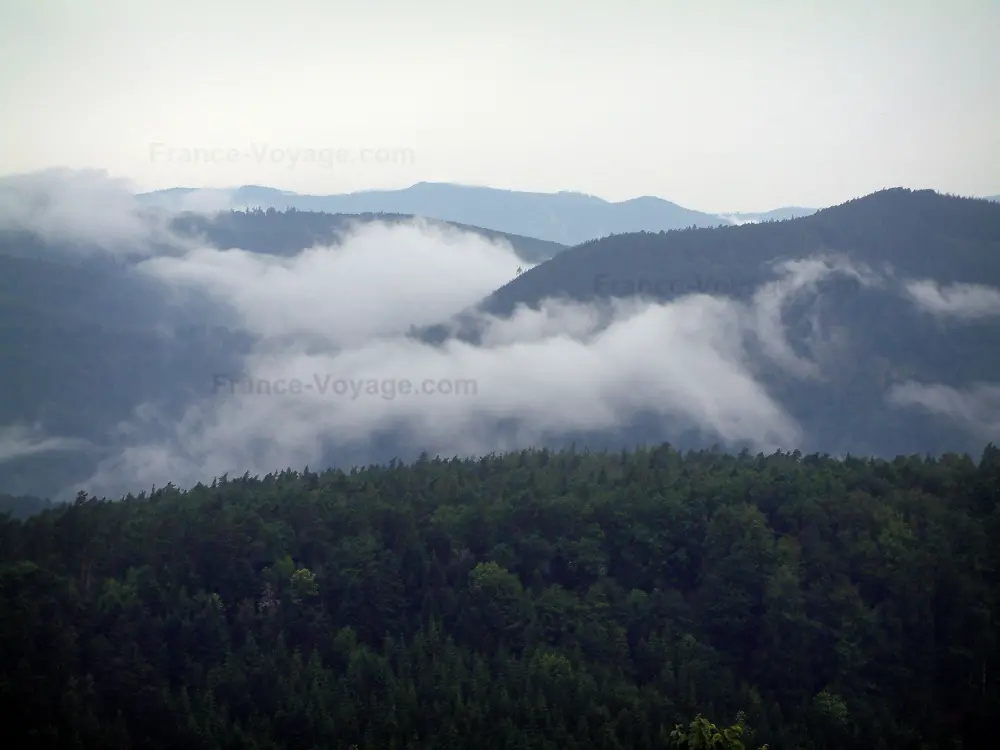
[(537, 599), (24, 506)]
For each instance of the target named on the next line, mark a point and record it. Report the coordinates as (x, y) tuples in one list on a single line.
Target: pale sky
[(718, 106)]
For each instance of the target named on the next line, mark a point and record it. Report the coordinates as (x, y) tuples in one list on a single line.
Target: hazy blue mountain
[(566, 218)]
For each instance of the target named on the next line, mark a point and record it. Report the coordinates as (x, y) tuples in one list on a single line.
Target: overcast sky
[(720, 106)]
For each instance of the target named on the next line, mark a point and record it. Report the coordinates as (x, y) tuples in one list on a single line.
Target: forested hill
[(290, 231), (919, 233), (23, 506), (886, 300), (536, 599)]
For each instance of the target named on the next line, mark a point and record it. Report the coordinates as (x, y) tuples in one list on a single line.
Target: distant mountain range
[(869, 327), (566, 218)]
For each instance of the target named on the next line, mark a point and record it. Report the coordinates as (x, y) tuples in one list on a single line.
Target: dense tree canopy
[(646, 599)]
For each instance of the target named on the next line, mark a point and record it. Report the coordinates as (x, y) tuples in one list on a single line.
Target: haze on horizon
[(718, 106)]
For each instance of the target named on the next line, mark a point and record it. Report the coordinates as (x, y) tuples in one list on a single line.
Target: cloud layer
[(19, 440), (342, 316), (965, 301)]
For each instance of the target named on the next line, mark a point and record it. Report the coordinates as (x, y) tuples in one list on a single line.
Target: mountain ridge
[(567, 217), (687, 242)]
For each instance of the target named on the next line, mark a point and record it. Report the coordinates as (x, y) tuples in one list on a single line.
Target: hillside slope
[(921, 234), (896, 303)]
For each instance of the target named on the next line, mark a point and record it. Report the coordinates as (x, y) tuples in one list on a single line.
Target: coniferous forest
[(644, 599)]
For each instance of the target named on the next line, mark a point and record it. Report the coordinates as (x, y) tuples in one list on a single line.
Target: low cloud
[(798, 278), (20, 441), (738, 220), (378, 281), (347, 312), (975, 409), (202, 201), (964, 301), (562, 368), (81, 211)]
